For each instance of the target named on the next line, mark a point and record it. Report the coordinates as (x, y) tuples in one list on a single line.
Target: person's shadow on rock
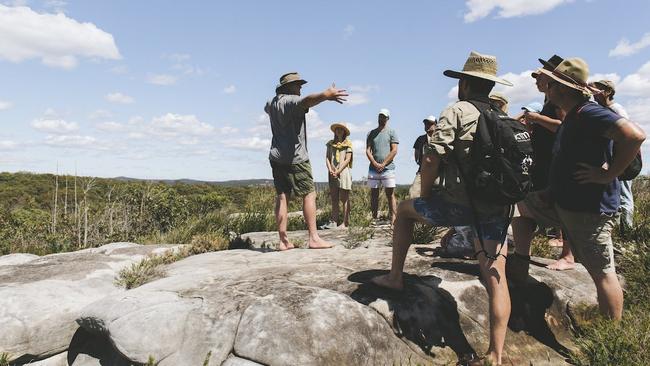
[(423, 313), (530, 302)]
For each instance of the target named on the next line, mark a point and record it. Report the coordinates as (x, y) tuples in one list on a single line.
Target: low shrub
[(151, 267)]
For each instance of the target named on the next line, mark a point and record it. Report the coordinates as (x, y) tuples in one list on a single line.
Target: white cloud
[(55, 39), (359, 94), (262, 124), (230, 89), (478, 9), (316, 127), (119, 98), (110, 126), (173, 125), (637, 84), (100, 114), (639, 111), (359, 147), (357, 99), (625, 48), (5, 105), (611, 76), (136, 136), (58, 126), (227, 130), (70, 141), (348, 31), (8, 145), (162, 79), (523, 92), (56, 5), (251, 143)]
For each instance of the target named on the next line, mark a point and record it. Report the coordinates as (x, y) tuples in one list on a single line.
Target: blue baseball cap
[(533, 107)]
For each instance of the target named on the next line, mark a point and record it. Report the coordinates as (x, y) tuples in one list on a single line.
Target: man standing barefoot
[(288, 156)]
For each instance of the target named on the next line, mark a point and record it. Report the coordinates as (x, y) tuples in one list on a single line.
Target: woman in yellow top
[(339, 163)]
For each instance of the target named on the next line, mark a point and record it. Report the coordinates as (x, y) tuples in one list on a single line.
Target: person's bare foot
[(562, 264), (319, 243), (285, 246), (388, 282), (343, 226)]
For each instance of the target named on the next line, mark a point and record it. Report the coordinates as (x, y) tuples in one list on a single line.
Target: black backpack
[(500, 156)]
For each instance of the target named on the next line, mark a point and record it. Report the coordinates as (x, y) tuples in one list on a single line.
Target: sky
[(169, 89)]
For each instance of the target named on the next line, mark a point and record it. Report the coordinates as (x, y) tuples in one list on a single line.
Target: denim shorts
[(440, 212)]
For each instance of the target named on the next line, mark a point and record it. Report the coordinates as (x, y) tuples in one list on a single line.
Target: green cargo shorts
[(589, 234), (293, 180)]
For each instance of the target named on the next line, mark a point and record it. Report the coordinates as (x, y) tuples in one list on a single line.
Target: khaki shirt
[(454, 134)]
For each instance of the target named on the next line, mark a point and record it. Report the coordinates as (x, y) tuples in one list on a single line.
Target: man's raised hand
[(337, 95)]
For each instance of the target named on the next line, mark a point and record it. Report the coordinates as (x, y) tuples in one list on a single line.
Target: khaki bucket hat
[(499, 97), (572, 72), (290, 77), (342, 125), (607, 84), (479, 66)]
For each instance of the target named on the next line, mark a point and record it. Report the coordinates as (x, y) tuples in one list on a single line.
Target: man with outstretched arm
[(292, 175), (448, 203)]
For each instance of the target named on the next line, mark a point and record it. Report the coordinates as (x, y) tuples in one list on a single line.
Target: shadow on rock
[(530, 304), (423, 313), (88, 348)]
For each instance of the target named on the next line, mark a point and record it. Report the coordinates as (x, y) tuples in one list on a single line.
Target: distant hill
[(229, 183)]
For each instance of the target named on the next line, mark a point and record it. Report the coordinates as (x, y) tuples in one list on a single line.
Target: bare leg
[(494, 275), (523, 230), (566, 260), (374, 201), (402, 235), (334, 195), (610, 295), (309, 210), (345, 199), (281, 220), (392, 204)]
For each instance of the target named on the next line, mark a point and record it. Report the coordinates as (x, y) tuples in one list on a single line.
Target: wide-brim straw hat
[(290, 77), (499, 97), (479, 66), (342, 125), (572, 72)]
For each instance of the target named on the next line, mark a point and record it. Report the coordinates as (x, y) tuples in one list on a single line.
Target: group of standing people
[(574, 177)]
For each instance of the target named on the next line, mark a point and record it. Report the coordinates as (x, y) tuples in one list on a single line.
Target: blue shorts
[(440, 212)]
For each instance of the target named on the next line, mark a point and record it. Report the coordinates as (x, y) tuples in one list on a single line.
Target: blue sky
[(168, 89)]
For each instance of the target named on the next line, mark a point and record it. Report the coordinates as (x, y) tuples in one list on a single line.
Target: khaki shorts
[(589, 234), (294, 179)]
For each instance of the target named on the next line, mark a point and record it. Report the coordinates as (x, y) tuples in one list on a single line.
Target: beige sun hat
[(290, 77), (572, 72), (480, 66), (342, 125), (499, 97)]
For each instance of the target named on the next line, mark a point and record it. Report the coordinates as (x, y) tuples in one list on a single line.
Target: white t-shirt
[(618, 109)]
